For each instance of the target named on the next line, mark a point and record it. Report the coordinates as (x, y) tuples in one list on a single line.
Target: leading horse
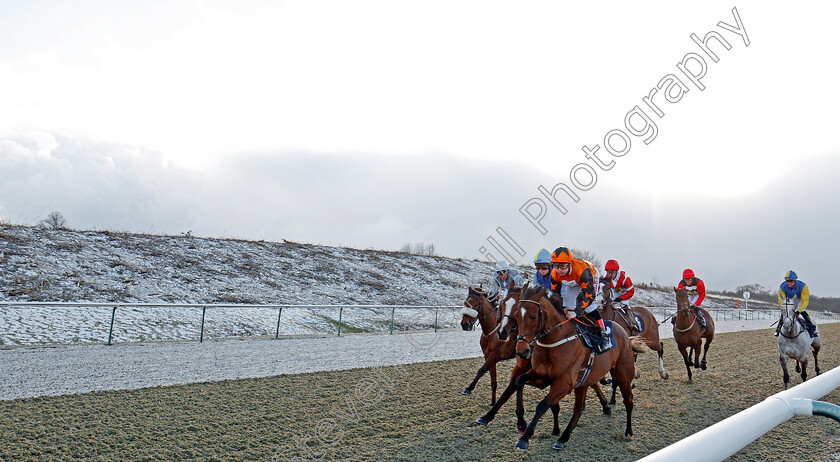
[(565, 364), (795, 343), (477, 308), (689, 335), (507, 330)]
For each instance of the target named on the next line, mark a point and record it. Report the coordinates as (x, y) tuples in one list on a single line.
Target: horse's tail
[(638, 345)]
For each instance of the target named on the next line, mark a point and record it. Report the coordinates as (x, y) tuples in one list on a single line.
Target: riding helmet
[(562, 255)]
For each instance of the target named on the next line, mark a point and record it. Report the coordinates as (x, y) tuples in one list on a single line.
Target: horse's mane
[(532, 290)]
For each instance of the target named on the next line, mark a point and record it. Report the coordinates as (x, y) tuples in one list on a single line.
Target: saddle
[(807, 326), (590, 335)]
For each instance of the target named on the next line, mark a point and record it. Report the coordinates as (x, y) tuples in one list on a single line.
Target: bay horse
[(477, 308), (564, 364), (649, 324), (688, 335), (795, 342), (507, 329)]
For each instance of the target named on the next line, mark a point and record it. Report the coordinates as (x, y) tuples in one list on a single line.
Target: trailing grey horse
[(795, 343)]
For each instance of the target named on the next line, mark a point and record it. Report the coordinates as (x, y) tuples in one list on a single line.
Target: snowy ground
[(46, 371)]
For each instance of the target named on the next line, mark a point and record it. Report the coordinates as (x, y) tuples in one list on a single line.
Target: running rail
[(730, 435)]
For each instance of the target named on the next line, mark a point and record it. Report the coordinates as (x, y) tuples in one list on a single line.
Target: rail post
[(436, 316), (111, 331), (340, 310), (201, 337), (392, 320), (277, 332)]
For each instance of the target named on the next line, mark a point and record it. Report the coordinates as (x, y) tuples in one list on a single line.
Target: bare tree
[(419, 248), (55, 220)]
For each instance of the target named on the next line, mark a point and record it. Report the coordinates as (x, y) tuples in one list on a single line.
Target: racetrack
[(411, 412)]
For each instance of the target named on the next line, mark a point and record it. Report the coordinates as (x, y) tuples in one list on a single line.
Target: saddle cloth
[(591, 334)]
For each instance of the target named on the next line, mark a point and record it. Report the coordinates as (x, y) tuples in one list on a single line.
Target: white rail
[(729, 436)]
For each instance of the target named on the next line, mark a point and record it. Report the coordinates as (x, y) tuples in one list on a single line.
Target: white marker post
[(746, 300)]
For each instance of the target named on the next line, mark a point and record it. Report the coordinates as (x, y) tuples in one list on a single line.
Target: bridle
[(541, 332), (792, 318), (479, 311), (683, 307)]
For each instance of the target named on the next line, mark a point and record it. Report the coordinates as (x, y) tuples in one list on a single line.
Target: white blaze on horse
[(795, 343)]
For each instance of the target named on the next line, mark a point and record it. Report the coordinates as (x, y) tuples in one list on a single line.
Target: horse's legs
[(478, 375), (605, 406), (555, 409), (686, 359), (580, 404), (556, 392), (520, 405), (614, 386), (785, 376), (661, 351), (518, 370), (816, 363), (696, 348), (798, 370), (493, 383), (705, 350), (627, 393), (804, 373)]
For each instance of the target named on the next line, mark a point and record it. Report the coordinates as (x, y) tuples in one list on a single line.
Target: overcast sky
[(373, 124)]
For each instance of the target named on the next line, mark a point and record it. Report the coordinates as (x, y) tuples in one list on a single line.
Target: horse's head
[(507, 306), (788, 316), (606, 296), (473, 308), (530, 314), (683, 305)]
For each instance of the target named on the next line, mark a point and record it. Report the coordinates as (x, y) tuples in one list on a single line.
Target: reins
[(542, 333)]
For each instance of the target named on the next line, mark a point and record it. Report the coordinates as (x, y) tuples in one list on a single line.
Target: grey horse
[(794, 343)]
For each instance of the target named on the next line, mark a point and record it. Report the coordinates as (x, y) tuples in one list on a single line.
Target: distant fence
[(661, 313), (115, 307)]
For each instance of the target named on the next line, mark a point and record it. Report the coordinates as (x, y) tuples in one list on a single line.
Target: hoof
[(605, 381), (466, 391), (521, 430), (481, 421), (703, 366), (521, 444), (664, 376), (607, 411), (558, 446), (555, 432)]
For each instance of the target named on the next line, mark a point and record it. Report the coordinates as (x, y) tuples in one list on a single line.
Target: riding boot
[(595, 315), (812, 328), (631, 318), (700, 320)]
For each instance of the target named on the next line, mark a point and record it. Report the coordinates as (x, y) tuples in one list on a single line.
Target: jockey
[(506, 278), (581, 281), (621, 290), (543, 264), (696, 290), (795, 291)]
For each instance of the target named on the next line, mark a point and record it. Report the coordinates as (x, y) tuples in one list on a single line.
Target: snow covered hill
[(38, 264)]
